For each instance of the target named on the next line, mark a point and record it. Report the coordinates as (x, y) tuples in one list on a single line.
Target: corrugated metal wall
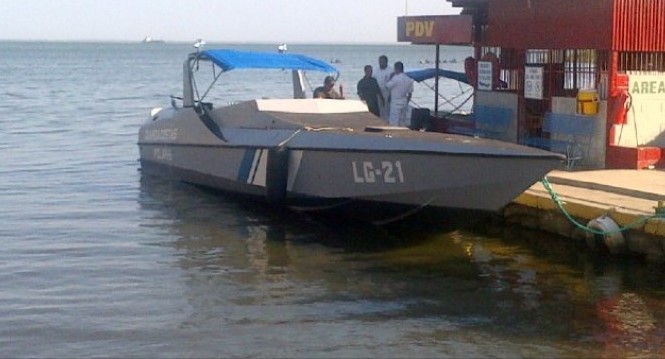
[(639, 25), (550, 24)]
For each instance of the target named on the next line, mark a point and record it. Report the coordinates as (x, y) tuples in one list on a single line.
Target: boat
[(150, 40), (323, 156)]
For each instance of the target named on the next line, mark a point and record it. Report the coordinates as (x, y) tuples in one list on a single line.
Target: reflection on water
[(306, 287)]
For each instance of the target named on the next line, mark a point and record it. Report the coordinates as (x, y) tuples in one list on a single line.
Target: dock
[(630, 198)]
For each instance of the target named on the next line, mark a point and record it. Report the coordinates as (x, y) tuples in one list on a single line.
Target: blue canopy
[(425, 74), (234, 59)]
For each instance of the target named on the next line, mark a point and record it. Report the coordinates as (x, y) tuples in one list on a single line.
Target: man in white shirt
[(382, 75), (401, 88)]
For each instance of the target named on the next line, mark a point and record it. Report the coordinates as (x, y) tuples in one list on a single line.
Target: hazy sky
[(335, 21)]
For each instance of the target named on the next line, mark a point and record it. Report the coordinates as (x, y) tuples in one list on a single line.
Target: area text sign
[(647, 86), (444, 30)]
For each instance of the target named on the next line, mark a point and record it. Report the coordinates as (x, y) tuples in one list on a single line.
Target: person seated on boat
[(327, 90)]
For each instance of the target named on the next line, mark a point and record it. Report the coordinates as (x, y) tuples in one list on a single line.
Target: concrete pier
[(627, 197)]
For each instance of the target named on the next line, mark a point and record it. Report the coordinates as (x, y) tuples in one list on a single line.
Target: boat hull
[(322, 155), (322, 180)]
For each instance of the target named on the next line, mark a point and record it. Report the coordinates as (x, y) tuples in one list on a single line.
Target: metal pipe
[(436, 82)]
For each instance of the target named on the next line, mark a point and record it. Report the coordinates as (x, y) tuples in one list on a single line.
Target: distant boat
[(150, 40), (282, 48)]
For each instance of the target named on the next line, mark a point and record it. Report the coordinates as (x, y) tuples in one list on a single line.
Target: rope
[(637, 223), (283, 143), (319, 129), (313, 129), (405, 214)]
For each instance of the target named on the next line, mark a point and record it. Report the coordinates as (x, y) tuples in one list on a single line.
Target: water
[(97, 260)]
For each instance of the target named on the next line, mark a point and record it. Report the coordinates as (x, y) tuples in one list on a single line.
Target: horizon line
[(182, 42)]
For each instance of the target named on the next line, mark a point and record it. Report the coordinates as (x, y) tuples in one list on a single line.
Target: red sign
[(443, 30)]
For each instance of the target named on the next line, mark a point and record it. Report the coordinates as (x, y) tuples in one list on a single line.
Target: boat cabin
[(584, 78)]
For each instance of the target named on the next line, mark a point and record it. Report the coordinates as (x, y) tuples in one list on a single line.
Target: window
[(642, 61), (509, 63)]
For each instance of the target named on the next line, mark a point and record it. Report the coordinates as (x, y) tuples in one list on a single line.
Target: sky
[(230, 21)]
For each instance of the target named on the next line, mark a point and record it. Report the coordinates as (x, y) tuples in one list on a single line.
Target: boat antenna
[(198, 45)]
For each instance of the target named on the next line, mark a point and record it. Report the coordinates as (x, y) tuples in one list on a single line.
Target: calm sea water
[(98, 261)]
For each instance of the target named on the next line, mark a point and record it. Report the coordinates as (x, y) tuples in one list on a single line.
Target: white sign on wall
[(647, 86), (645, 121), (484, 76), (533, 82)]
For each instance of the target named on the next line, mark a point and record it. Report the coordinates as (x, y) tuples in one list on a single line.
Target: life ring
[(612, 239)]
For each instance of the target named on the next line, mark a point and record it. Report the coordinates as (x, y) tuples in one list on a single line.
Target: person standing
[(382, 75), (401, 88), (369, 91)]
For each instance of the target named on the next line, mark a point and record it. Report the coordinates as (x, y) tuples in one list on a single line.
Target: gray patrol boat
[(325, 155)]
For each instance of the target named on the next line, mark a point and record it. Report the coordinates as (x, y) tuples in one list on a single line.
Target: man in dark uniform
[(369, 91)]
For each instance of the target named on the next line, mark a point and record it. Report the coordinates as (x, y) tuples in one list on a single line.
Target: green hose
[(637, 223)]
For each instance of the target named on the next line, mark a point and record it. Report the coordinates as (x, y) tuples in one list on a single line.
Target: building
[(557, 64)]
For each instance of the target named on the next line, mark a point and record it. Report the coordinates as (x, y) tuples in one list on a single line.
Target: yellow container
[(587, 102)]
